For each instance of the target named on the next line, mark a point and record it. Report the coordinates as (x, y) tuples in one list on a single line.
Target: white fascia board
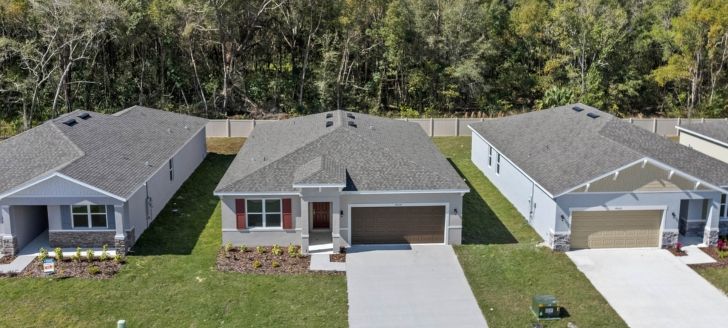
[(401, 192), (700, 135), (63, 176), (514, 164), (332, 185), (272, 193)]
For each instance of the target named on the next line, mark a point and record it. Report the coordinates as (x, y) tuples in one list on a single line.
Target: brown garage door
[(397, 225), (615, 229)]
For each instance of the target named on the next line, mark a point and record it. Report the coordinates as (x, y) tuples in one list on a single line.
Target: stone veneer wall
[(9, 246), (73, 239), (669, 238), (560, 242), (711, 236), (122, 246)]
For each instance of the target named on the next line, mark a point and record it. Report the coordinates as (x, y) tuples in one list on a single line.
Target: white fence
[(443, 127)]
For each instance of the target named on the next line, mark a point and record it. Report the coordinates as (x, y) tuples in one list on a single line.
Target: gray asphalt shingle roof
[(561, 148), (115, 153), (378, 154), (717, 130)]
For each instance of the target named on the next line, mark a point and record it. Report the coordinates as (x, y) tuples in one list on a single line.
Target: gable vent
[(84, 116), (70, 122), (329, 115), (592, 115), (329, 123), (350, 115), (577, 108), (352, 124)]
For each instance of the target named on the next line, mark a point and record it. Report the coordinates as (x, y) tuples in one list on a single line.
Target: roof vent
[(70, 122), (84, 116), (352, 124), (329, 115), (329, 123), (350, 115), (592, 115), (577, 108)]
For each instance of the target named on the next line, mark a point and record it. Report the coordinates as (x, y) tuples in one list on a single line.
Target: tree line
[(256, 58)]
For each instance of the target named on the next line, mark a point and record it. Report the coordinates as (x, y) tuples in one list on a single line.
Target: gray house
[(586, 179), (88, 179), (334, 179), (710, 138)]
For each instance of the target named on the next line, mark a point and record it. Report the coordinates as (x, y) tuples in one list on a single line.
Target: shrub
[(276, 250), (93, 269), (90, 255), (42, 254), (243, 248), (679, 246), (118, 258), (228, 247), (292, 251), (59, 254), (257, 264), (275, 264), (259, 249), (104, 253), (77, 256), (722, 254)]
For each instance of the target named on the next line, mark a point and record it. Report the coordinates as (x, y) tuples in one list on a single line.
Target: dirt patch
[(95, 269), (715, 254), (263, 260), (676, 252), (341, 257)]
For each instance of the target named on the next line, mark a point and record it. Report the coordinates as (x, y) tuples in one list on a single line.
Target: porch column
[(8, 244), (336, 224), (120, 243), (305, 218), (710, 236)]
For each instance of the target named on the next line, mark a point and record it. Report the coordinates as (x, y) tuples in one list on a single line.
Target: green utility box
[(546, 307)]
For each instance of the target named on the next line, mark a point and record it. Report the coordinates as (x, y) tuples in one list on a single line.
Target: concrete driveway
[(409, 286), (652, 288)]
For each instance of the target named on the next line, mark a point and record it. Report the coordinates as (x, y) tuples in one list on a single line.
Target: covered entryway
[(27, 223), (398, 224), (615, 229)]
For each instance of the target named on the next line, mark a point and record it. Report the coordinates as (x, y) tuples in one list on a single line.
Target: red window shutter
[(240, 213), (287, 217)]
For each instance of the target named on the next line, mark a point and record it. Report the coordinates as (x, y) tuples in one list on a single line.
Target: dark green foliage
[(390, 57)]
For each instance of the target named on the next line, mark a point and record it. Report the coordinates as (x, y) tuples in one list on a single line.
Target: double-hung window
[(490, 156), (88, 216), (264, 213), (497, 163)]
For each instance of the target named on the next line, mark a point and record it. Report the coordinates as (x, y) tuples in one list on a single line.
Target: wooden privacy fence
[(444, 127)]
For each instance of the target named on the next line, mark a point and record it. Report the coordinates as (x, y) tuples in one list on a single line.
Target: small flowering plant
[(722, 245)]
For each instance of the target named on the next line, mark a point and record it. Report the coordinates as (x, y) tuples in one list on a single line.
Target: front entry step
[(321, 249)]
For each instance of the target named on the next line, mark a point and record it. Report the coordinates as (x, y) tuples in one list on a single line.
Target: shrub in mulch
[(341, 257), (67, 268), (263, 260), (720, 256), (677, 251)]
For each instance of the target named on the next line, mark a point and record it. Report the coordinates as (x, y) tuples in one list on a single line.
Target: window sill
[(84, 230), (265, 229)]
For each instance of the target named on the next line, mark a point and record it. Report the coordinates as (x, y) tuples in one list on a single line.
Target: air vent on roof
[(352, 124), (577, 108), (329, 115), (350, 115), (84, 116), (70, 122), (592, 115), (329, 123)]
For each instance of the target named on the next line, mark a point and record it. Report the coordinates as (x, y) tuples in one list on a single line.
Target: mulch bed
[(341, 257), (71, 269), (238, 261), (713, 252), (7, 259), (675, 252)]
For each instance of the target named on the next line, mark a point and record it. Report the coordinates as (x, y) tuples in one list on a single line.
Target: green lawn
[(504, 266), (171, 280), (717, 276)]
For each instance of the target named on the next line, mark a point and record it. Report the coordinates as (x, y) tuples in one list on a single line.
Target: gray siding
[(519, 189), (704, 146), (27, 222), (231, 234)]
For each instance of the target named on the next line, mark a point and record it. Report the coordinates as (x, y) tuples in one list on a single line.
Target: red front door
[(321, 215)]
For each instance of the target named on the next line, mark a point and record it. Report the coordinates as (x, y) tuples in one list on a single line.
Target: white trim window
[(490, 155), (263, 213), (88, 216), (723, 206), (497, 163), (171, 169)]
